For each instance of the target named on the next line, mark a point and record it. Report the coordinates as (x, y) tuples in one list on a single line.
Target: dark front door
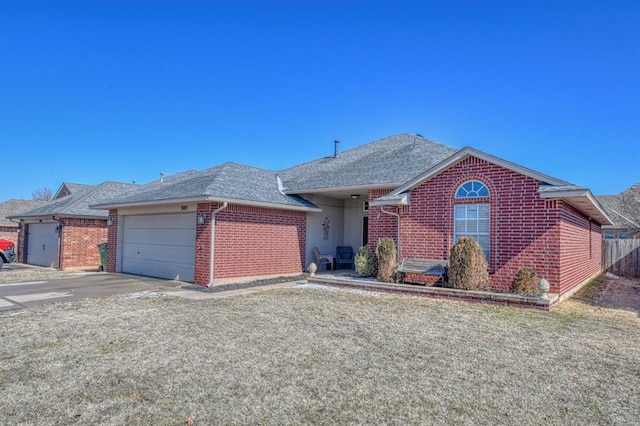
[(365, 230)]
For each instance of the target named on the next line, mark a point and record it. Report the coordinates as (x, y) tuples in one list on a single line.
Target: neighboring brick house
[(9, 230), (404, 186), (64, 233), (624, 210)]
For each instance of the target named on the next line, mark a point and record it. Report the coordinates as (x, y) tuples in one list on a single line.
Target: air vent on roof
[(336, 143)]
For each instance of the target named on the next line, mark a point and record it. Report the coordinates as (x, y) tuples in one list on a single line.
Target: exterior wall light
[(109, 221), (201, 219), (355, 196)]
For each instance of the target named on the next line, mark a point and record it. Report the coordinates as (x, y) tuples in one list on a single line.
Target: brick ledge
[(487, 297)]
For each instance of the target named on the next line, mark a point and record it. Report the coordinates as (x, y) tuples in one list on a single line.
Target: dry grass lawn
[(318, 356)]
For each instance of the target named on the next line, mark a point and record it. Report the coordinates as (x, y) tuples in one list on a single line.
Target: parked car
[(7, 252)]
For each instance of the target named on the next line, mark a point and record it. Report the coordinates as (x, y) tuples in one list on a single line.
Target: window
[(473, 188), (623, 235), (608, 235), (473, 220)]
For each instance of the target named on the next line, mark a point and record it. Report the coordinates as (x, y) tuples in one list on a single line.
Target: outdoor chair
[(344, 256), (327, 259)]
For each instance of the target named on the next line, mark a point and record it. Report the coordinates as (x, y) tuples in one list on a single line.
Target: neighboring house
[(64, 233), (238, 221), (8, 229), (624, 211)]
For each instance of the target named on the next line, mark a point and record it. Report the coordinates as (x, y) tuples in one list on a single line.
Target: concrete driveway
[(15, 295)]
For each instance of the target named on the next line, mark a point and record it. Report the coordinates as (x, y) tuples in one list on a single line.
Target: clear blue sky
[(122, 90)]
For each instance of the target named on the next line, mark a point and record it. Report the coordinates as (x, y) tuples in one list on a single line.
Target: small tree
[(386, 253), (364, 262), (526, 282), (42, 194), (468, 268)]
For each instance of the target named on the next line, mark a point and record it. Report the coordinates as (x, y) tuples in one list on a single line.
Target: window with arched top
[(473, 220), (472, 188)]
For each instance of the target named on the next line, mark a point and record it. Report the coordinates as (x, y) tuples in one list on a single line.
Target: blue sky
[(122, 90)]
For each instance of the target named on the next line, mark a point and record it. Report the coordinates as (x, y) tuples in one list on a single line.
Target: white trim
[(471, 152), (343, 188), (204, 199), (396, 201), (567, 195)]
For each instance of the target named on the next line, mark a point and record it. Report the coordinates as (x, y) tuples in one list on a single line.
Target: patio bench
[(422, 266)]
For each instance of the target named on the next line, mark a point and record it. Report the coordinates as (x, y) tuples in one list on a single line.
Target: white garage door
[(160, 246), (42, 244)]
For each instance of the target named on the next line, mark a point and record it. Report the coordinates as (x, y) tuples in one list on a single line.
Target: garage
[(42, 244), (161, 246)]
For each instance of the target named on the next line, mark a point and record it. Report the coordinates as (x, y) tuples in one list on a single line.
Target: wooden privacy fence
[(621, 257)]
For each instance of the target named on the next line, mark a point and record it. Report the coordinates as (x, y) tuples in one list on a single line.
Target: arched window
[(473, 220), (472, 188)]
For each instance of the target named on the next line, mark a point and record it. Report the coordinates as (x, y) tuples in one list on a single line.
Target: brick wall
[(381, 225), (250, 241), (580, 248), (80, 240), (9, 233), (526, 231), (21, 242), (112, 241)]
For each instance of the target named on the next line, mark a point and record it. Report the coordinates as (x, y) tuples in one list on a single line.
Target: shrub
[(364, 262), (468, 269), (386, 253), (526, 282)]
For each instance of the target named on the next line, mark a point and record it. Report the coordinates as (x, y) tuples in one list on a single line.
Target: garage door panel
[(183, 254), (160, 246), (154, 236), (42, 244)]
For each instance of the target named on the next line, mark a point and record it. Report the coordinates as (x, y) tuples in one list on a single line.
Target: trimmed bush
[(364, 262), (386, 253), (468, 268), (526, 282)]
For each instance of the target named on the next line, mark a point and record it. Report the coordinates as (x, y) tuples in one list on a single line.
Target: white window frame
[(486, 247)]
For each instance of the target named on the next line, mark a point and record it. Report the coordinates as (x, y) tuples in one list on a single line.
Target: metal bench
[(422, 266)]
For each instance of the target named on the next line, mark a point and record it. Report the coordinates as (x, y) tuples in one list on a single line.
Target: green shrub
[(468, 269), (526, 282), (364, 262), (386, 253)]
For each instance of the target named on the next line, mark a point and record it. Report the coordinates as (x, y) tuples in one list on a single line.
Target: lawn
[(312, 355)]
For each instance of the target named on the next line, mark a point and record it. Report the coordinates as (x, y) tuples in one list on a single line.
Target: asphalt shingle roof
[(395, 159), (227, 181), (15, 206), (77, 203), (620, 207)]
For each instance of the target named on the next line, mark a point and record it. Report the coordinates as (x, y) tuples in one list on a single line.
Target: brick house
[(236, 221), (64, 232), (9, 230)]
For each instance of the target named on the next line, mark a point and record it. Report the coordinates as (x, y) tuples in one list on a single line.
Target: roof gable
[(77, 203), (550, 188), (69, 188)]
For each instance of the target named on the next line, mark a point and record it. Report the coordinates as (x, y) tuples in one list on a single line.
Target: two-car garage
[(159, 245)]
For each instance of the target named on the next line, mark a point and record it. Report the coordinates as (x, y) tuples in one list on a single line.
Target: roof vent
[(336, 144), (161, 177)]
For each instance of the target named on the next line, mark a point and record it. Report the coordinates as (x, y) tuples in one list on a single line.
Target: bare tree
[(42, 194)]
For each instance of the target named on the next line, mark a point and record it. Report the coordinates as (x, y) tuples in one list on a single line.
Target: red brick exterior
[(250, 241), (9, 233), (526, 231), (80, 242), (20, 246), (112, 240)]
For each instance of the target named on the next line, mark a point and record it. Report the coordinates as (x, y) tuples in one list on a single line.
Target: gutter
[(398, 216), (213, 229), (60, 242)]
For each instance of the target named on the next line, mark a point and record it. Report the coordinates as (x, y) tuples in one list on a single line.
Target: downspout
[(60, 242), (398, 216), (213, 231)]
